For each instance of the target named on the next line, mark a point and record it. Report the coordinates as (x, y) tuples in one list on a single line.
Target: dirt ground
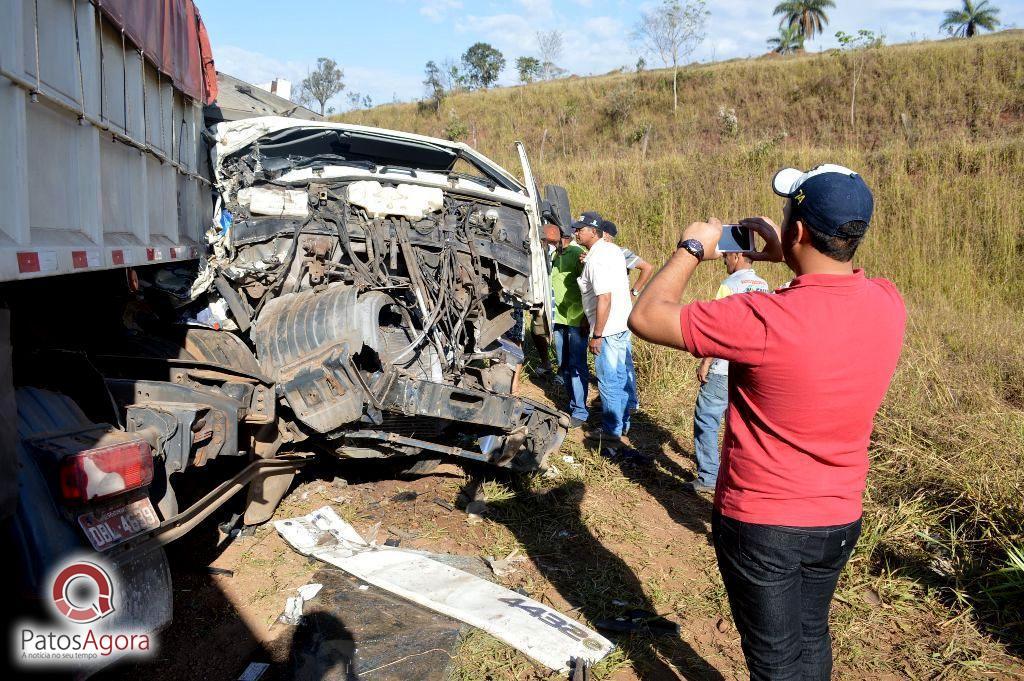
[(599, 537)]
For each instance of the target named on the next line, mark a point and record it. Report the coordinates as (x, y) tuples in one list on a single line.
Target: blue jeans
[(612, 365), (571, 353), (780, 582), (712, 401), (632, 403)]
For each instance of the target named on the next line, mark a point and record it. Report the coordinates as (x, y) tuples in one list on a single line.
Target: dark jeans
[(780, 582)]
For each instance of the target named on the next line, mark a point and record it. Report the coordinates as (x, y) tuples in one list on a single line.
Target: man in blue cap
[(808, 368), (604, 286)]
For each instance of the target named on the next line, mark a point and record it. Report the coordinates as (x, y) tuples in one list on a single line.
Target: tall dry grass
[(937, 135)]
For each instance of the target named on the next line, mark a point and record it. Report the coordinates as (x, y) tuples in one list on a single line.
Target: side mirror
[(556, 200)]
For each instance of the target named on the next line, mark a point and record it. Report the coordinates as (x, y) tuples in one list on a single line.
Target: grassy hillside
[(937, 133)]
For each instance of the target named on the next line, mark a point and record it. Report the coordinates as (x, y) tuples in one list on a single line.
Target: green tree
[(323, 83), (787, 41), (529, 69), (483, 64), (965, 22), (807, 15)]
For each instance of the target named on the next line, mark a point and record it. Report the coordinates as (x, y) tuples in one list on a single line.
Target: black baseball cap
[(588, 219), (608, 227), (826, 197)]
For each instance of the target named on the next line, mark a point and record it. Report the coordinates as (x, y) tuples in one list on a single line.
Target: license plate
[(112, 526)]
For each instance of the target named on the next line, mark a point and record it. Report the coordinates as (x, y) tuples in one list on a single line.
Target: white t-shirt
[(604, 271)]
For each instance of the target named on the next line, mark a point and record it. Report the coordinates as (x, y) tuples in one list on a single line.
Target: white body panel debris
[(525, 624)]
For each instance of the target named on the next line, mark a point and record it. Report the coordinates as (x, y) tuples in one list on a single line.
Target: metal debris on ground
[(292, 611), (403, 534), (220, 571), (254, 672), (633, 621), (444, 504), (525, 624), (552, 473), (507, 565), (580, 670), (293, 605), (309, 591), (405, 496)]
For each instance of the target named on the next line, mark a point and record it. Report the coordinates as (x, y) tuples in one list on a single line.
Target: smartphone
[(735, 239)]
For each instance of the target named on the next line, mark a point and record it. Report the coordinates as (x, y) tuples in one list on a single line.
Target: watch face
[(694, 248)]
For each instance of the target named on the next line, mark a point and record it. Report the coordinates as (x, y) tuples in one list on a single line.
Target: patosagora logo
[(83, 592)]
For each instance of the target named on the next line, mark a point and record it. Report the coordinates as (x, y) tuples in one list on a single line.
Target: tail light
[(105, 471)]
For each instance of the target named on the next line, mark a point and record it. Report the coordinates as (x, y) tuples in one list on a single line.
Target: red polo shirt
[(809, 366)]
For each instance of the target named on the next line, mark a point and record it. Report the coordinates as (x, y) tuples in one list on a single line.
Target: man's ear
[(800, 232)]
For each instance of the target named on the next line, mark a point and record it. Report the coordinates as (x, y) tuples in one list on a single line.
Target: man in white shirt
[(604, 286)]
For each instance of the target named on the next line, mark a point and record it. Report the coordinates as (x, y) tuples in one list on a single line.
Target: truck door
[(540, 284)]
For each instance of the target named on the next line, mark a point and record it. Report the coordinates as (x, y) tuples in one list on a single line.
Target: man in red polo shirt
[(808, 368)]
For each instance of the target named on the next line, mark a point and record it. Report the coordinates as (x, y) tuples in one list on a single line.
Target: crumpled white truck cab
[(381, 279)]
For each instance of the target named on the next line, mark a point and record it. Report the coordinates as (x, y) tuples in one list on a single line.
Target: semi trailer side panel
[(102, 161)]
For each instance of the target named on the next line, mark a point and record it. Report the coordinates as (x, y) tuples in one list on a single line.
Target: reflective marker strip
[(28, 262), (80, 259), (117, 256), (154, 254), (37, 261)]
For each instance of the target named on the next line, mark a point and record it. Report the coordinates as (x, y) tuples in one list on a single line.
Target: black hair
[(842, 246)]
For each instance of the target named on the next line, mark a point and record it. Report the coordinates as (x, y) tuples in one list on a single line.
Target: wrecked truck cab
[(379, 276)]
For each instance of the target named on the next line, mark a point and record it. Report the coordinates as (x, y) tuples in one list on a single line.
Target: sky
[(383, 45)]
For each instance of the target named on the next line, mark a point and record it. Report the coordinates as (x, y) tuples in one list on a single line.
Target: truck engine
[(376, 277)]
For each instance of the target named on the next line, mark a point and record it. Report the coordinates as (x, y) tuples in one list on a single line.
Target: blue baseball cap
[(588, 219), (608, 227), (826, 197)]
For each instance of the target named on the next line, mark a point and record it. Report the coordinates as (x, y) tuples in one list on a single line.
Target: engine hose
[(234, 302)]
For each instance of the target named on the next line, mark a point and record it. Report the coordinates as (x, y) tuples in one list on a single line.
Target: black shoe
[(695, 487), (575, 422)]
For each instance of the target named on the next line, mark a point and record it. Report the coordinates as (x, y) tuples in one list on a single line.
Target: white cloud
[(436, 10), (604, 27), (254, 67), (537, 10), (379, 83)]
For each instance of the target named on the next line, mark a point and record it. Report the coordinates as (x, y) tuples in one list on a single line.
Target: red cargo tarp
[(172, 35)]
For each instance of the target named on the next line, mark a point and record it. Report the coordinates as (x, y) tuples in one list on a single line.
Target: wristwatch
[(635, 293), (693, 247)]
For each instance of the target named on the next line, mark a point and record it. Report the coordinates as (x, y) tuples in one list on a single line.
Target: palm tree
[(788, 41), (807, 15), (965, 22)]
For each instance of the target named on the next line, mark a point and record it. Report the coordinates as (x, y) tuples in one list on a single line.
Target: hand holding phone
[(735, 239), (772, 235)]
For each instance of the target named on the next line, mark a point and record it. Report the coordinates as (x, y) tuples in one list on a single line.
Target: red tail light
[(106, 471)]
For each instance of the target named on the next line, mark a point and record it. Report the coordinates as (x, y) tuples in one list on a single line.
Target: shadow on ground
[(591, 577)]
